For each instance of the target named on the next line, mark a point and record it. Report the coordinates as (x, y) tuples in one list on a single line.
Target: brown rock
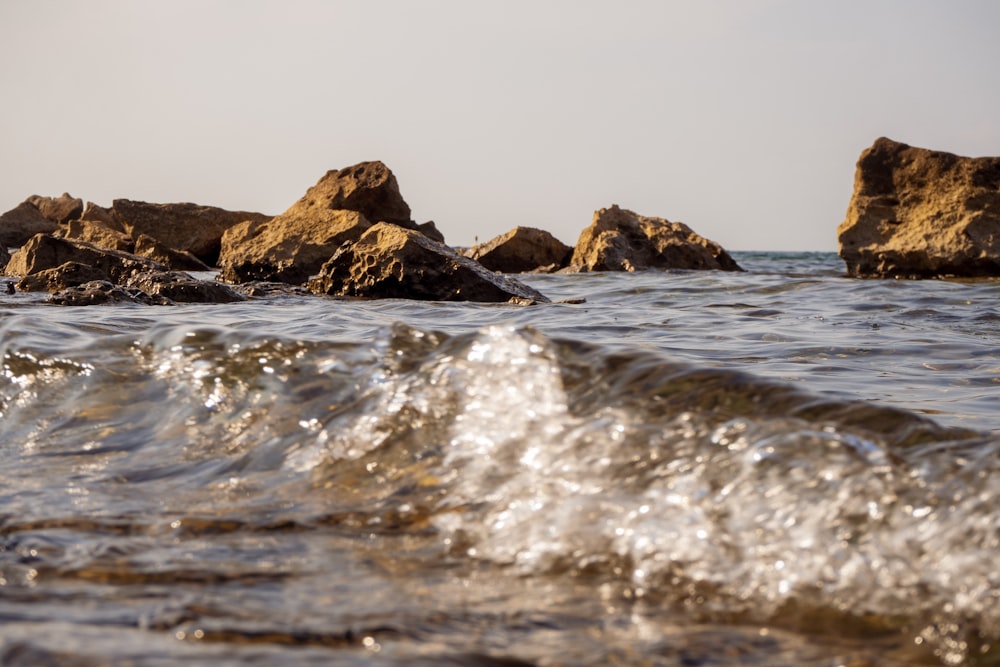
[(94, 213), (290, 248), (521, 249), (4, 255), (917, 213), (369, 188), (189, 227), (620, 240), (430, 230), (43, 252), (179, 287), (70, 274), (59, 209), (178, 260), (96, 233), (393, 262), (21, 223), (101, 292)]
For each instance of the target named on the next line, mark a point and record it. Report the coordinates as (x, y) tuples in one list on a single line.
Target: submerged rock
[(179, 287), (187, 227), (918, 213), (521, 249), (620, 240), (389, 261)]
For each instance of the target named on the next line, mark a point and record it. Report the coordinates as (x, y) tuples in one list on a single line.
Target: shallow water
[(778, 467)]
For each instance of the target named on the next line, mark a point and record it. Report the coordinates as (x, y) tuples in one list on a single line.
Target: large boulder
[(290, 248), (917, 213), (369, 188), (44, 251), (521, 249), (189, 227), (620, 240), (21, 223), (59, 209), (96, 233), (392, 262)]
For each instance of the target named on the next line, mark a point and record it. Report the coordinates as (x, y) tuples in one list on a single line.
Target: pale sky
[(743, 118)]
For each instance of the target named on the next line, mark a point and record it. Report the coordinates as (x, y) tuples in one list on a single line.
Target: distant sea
[(777, 467)]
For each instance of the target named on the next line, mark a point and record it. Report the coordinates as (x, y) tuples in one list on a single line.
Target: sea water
[(777, 467)]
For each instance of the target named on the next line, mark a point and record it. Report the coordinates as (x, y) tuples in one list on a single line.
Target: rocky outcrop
[(389, 261), (44, 251), (520, 250), (187, 227), (290, 248), (94, 213), (338, 208), (917, 213), (96, 233), (620, 240), (59, 210), (21, 223)]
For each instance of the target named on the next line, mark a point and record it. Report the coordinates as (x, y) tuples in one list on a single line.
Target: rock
[(4, 255), (101, 292), (430, 230), (70, 274), (21, 223), (188, 227), (178, 260), (521, 249), (393, 262), (369, 188), (94, 213), (917, 213), (179, 287), (59, 210), (290, 248), (620, 240), (96, 233), (44, 251)]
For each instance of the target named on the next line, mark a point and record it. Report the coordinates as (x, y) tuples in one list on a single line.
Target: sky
[(742, 118)]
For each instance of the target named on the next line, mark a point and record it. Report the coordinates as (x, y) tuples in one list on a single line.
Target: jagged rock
[(369, 188), (94, 213), (189, 227), (44, 251), (101, 292), (520, 250), (178, 260), (918, 213), (69, 274), (390, 261), (179, 287), (59, 209), (620, 240), (21, 223), (290, 248), (96, 233)]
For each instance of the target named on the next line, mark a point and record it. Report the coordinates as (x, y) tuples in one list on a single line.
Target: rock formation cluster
[(350, 235)]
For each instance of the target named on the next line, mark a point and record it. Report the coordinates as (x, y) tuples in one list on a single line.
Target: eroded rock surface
[(918, 213), (389, 261), (621, 240)]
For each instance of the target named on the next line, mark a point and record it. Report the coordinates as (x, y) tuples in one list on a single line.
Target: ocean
[(778, 467)]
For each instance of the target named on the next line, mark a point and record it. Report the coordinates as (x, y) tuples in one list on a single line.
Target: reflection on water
[(303, 481)]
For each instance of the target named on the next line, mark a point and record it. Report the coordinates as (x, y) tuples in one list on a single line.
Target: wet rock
[(21, 223), (389, 261), (520, 250), (188, 227), (70, 274), (178, 260), (290, 248), (44, 251), (918, 213), (261, 288), (180, 287), (620, 240), (59, 210), (103, 292)]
